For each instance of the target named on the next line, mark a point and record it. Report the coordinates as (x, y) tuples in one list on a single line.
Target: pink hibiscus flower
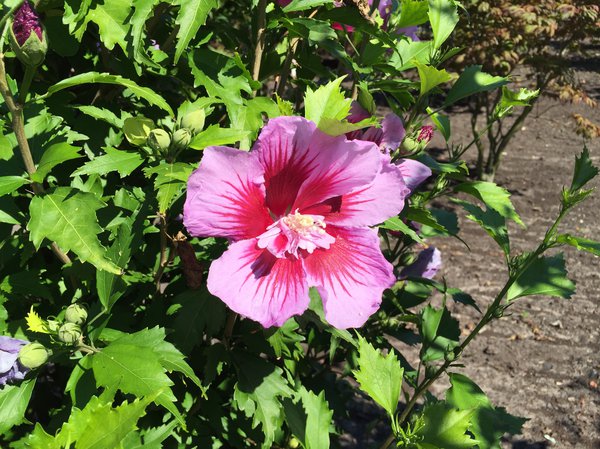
[(297, 211)]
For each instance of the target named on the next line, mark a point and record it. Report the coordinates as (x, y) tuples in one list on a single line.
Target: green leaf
[(120, 161), (191, 17), (14, 400), (472, 81), (494, 197), (111, 16), (397, 224), (584, 171), (448, 219), (511, 99), (309, 418), (445, 427), (52, 156), (169, 182), (431, 77), (545, 276), (141, 13), (258, 393), (6, 148), (379, 376), (215, 135), (106, 78), (327, 104), (440, 333), (491, 221), (68, 217), (442, 123), (443, 17), (591, 246), (413, 12), (410, 53), (302, 5), (488, 423), (100, 426), (9, 184)]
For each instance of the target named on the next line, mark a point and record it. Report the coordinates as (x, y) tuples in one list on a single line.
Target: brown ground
[(543, 360)]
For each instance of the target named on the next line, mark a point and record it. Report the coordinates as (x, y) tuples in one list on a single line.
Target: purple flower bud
[(27, 36), (426, 134), (10, 368), (26, 21), (427, 265)]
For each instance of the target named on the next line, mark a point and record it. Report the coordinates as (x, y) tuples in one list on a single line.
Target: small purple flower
[(26, 21), (427, 265), (410, 32), (10, 368), (426, 134)]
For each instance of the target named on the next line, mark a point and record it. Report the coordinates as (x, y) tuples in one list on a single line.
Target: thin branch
[(260, 38)]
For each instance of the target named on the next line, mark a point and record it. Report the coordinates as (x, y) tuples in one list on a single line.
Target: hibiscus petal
[(350, 276), (368, 206), (257, 285), (304, 166), (225, 196), (414, 172), (393, 132)]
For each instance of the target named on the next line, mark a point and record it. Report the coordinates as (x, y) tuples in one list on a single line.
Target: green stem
[(260, 38), (26, 83)]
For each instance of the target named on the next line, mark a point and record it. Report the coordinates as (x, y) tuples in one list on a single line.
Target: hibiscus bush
[(213, 223)]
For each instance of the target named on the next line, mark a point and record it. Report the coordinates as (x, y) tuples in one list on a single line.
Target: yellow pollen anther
[(303, 224)]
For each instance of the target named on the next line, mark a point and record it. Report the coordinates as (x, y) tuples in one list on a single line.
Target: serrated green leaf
[(258, 393), (9, 184), (511, 99), (52, 156), (491, 221), (379, 376), (301, 5), (443, 17), (111, 16), (494, 197), (327, 104), (584, 171), (309, 418), (142, 11), (106, 78), (169, 182), (446, 428), (488, 423), (410, 53), (591, 246), (192, 15), (123, 162), (472, 81), (431, 77), (14, 400), (100, 426), (545, 276), (68, 217)]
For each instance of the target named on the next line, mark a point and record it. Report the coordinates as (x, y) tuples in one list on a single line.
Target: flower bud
[(69, 333), (136, 130), (159, 140), (53, 325), (294, 443), (181, 139), (28, 37), (409, 145), (194, 121), (76, 314), (33, 355), (425, 134)]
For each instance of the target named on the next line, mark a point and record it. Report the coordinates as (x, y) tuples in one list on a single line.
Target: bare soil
[(542, 361)]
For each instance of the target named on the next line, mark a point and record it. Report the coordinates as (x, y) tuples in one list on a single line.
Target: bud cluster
[(143, 132)]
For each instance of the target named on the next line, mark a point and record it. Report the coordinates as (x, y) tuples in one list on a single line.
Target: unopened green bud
[(294, 443), (136, 130), (76, 314), (33, 355), (28, 37), (181, 139), (450, 356), (69, 333), (194, 121), (409, 145), (159, 140), (498, 312)]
